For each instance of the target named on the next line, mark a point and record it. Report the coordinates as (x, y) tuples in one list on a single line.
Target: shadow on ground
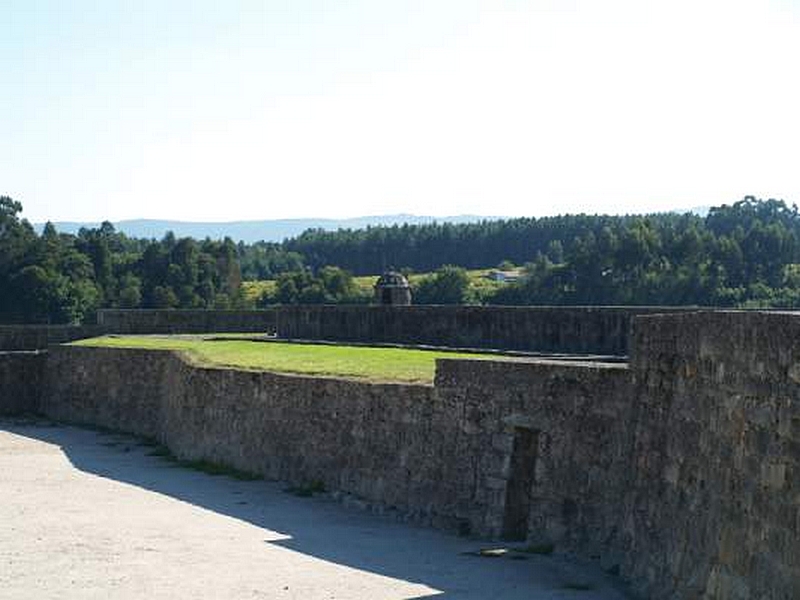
[(325, 529)]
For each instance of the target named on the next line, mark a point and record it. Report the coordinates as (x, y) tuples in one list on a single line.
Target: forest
[(746, 254), (61, 278)]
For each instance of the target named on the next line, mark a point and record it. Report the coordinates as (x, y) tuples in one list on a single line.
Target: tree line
[(746, 254), (61, 278)]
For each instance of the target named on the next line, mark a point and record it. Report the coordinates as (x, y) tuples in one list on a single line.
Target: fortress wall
[(576, 330), (118, 389), (683, 469), (134, 321), (21, 375), (579, 414), (567, 330), (441, 455), (38, 337), (714, 509), (387, 444)]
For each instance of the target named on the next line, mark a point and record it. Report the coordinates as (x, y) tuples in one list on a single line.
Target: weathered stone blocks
[(21, 376), (561, 329), (682, 470)]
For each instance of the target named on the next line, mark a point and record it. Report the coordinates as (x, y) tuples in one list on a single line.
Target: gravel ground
[(91, 515)]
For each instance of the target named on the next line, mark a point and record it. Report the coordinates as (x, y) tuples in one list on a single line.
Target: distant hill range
[(275, 230)]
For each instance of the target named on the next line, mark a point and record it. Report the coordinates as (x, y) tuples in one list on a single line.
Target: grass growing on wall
[(372, 364)]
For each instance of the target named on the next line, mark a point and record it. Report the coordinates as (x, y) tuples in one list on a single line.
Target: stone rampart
[(682, 469), (577, 417), (21, 376), (370, 440), (442, 453), (135, 321), (567, 330), (39, 337), (713, 510)]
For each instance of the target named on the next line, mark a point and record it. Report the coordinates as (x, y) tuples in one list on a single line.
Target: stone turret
[(392, 288)]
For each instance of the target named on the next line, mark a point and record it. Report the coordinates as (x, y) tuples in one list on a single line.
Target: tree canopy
[(62, 278), (742, 255)]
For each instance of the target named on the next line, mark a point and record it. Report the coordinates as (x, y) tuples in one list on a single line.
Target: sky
[(215, 111)]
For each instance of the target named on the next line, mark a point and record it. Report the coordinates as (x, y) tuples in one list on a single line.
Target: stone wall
[(579, 416), (569, 330), (441, 454), (21, 375), (371, 440), (714, 506), (39, 337), (682, 469), (186, 321)]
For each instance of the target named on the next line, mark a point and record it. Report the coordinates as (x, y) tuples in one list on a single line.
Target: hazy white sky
[(210, 110)]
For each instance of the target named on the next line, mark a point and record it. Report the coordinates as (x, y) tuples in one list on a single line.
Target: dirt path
[(86, 515)]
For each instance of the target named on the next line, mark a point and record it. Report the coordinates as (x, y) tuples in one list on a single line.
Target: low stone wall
[(442, 454), (21, 376), (370, 440), (186, 321), (39, 337), (568, 330)]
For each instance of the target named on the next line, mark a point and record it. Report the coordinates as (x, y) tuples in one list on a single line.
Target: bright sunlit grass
[(371, 364)]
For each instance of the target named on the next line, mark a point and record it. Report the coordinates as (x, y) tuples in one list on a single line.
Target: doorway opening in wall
[(520, 483)]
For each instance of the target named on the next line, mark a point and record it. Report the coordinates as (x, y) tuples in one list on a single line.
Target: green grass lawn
[(371, 364)]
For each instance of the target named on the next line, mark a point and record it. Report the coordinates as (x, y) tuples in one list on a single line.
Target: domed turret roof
[(392, 279)]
